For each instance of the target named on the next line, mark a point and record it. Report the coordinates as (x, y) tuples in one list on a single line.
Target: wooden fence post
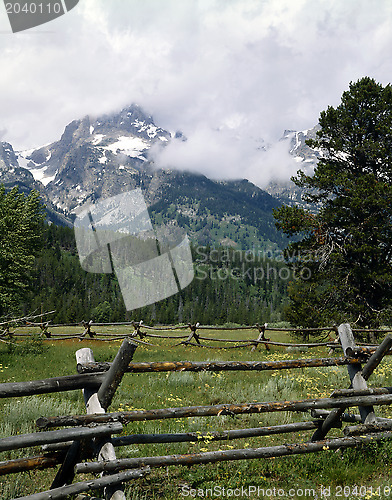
[(357, 382), (115, 373), (44, 329), (138, 333), (261, 337), (87, 329), (93, 406), (106, 393), (66, 473), (192, 335)]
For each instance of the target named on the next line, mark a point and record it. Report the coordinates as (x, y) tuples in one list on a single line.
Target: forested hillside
[(229, 286)]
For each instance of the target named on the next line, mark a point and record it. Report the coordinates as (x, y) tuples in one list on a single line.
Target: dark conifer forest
[(230, 286)]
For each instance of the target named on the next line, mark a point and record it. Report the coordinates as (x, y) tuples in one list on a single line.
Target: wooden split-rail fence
[(86, 443), (11, 331)]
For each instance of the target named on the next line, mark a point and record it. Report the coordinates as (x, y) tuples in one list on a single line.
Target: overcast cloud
[(227, 73)]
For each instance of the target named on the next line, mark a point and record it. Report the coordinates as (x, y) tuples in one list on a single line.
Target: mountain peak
[(131, 120)]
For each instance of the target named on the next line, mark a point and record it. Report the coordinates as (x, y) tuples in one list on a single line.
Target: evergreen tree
[(21, 225), (342, 256)]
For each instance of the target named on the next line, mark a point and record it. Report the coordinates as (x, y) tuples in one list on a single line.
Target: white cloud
[(227, 154), (246, 68)]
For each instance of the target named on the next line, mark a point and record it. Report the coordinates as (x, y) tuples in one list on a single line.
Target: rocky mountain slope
[(95, 158), (13, 174), (307, 158)]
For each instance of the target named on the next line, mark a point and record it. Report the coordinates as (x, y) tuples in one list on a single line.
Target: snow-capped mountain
[(104, 156), (95, 157), (11, 172), (298, 148), (306, 159)]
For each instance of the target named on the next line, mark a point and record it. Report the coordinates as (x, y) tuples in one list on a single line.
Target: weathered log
[(49, 385), (224, 328), (355, 371), (214, 435), (44, 329), (373, 330), (239, 341), (377, 357), (39, 438), (216, 410), (184, 437), (360, 392), (345, 417), (87, 329), (115, 373), (95, 484), (192, 335), (66, 473), (25, 318), (357, 430), (31, 463), (216, 366), (323, 414), (239, 454), (63, 446), (200, 436), (241, 346), (166, 336)]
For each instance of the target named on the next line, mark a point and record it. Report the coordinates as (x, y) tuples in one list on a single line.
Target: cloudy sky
[(227, 73)]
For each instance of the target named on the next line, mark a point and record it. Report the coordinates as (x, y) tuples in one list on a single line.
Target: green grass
[(365, 466)]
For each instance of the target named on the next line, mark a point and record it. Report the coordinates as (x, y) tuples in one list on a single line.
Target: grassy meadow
[(364, 471)]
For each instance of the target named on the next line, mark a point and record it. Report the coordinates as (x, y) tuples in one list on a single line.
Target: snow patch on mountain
[(38, 171), (130, 146), (40, 174), (98, 138)]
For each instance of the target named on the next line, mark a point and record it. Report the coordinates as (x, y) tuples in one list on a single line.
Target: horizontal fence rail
[(83, 486), (217, 366), (239, 454), (49, 385), (47, 461), (215, 410), (92, 374), (36, 439)]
